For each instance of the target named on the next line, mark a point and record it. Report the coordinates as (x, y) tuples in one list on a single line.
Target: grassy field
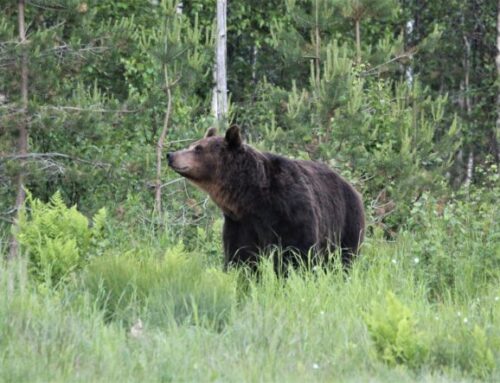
[(424, 307)]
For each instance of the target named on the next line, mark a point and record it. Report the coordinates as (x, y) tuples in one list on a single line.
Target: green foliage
[(391, 134), (101, 101), (360, 9), (57, 239), (395, 334), (320, 325), (295, 83), (462, 264), (178, 43), (176, 288), (462, 339), (482, 362)]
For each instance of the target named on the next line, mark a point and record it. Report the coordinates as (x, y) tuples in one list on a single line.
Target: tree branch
[(27, 156), (79, 109), (406, 54), (161, 140)]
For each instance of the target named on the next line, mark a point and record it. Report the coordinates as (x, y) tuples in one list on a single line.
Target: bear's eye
[(198, 148)]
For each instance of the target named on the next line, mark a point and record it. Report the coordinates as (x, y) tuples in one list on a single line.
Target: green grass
[(425, 307)]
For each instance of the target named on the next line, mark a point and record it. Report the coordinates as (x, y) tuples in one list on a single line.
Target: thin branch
[(161, 140), (60, 50), (35, 156), (172, 182), (179, 141), (14, 110), (55, 7), (401, 56), (78, 109)]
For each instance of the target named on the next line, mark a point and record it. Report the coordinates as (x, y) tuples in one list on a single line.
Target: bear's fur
[(269, 200)]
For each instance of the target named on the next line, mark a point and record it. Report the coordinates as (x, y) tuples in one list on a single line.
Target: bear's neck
[(223, 199)]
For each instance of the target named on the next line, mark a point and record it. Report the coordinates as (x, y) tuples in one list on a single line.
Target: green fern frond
[(57, 239)]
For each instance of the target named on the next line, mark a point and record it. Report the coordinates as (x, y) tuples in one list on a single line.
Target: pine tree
[(359, 10)]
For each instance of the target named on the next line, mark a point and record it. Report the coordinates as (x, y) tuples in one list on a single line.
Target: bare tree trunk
[(409, 68), (358, 40), (468, 108), (219, 100), (497, 130), (255, 52), (317, 45), (161, 141), (470, 169), (23, 124)]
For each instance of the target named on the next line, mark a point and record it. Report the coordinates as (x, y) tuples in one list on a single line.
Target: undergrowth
[(145, 307)]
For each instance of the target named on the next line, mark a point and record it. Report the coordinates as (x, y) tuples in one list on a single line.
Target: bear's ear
[(233, 137), (211, 132)]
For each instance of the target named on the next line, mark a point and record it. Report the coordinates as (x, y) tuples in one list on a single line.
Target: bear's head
[(203, 159), (211, 163), (231, 172)]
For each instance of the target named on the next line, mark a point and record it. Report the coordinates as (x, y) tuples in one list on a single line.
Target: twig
[(179, 141), (78, 109), (50, 155), (401, 56), (161, 140), (171, 182), (55, 7)]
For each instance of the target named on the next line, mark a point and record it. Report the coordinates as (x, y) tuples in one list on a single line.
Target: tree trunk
[(410, 24), (358, 40), (317, 45), (255, 52), (497, 130), (468, 109), (470, 169), (219, 99), (161, 141), (22, 146)]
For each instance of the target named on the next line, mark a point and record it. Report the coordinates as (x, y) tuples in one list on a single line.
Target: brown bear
[(302, 207)]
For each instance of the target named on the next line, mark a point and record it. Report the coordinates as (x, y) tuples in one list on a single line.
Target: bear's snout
[(170, 158)]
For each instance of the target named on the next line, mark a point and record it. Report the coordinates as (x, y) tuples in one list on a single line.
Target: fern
[(393, 330), (57, 239)]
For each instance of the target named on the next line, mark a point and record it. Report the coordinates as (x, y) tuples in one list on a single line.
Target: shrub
[(456, 242), (57, 239), (394, 332)]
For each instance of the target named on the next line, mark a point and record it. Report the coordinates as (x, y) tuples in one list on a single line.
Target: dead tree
[(22, 144), (219, 98)]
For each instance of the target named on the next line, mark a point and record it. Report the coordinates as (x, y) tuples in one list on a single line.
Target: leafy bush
[(456, 242), (57, 239), (394, 332)]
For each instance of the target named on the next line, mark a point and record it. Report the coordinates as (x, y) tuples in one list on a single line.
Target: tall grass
[(425, 307)]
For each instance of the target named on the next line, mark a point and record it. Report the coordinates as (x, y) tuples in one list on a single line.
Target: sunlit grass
[(424, 307)]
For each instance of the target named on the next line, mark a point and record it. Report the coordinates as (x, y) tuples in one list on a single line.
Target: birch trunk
[(468, 108), (410, 24), (255, 52), (219, 98), (22, 147)]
